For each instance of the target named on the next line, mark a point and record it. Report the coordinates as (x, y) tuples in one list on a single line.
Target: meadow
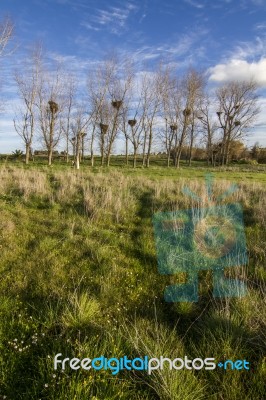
[(79, 276)]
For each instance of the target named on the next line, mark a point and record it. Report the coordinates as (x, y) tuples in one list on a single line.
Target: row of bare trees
[(146, 111)]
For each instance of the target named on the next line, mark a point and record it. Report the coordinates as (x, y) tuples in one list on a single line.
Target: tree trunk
[(126, 150), (108, 159), (78, 154), (67, 149), (191, 147), (50, 150), (149, 149), (50, 156), (144, 149), (92, 141), (27, 155), (83, 148), (77, 161), (178, 155), (168, 158), (135, 158)]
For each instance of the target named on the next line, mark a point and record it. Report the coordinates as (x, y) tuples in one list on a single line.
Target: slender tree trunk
[(83, 148), (144, 149), (222, 161), (50, 155), (135, 157), (179, 151), (67, 149), (50, 150), (168, 158), (178, 158), (92, 143), (149, 149), (191, 147), (92, 158), (27, 155), (108, 159), (126, 150), (102, 158)]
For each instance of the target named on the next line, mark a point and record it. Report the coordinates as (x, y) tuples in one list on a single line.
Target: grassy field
[(79, 277)]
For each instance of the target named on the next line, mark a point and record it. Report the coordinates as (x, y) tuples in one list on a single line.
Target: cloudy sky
[(226, 38)]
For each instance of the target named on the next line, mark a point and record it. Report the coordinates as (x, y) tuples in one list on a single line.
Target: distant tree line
[(149, 111)]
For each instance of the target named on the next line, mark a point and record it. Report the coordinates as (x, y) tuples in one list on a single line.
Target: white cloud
[(250, 50), (237, 69), (113, 18), (260, 26), (194, 3)]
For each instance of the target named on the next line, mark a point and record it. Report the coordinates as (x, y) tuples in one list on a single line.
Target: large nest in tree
[(117, 104), (103, 127), (53, 106), (173, 127), (187, 112), (132, 122)]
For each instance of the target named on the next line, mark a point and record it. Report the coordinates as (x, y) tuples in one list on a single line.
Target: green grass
[(79, 277)]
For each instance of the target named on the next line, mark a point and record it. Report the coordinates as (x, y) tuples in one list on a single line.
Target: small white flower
[(46, 385)]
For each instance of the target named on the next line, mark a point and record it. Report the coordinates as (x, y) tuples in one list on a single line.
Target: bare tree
[(6, 31), (192, 90), (27, 80), (119, 89), (99, 82), (70, 94), (133, 129), (237, 110), (150, 95), (170, 95), (78, 127), (209, 129), (50, 108)]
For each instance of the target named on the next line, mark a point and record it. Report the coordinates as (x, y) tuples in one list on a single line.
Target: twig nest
[(103, 127), (187, 112), (53, 106), (219, 113), (231, 117), (173, 127), (237, 123), (132, 122), (117, 104)]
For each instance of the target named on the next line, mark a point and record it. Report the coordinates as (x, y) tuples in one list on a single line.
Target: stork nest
[(132, 122), (187, 112), (117, 104), (53, 106), (103, 127)]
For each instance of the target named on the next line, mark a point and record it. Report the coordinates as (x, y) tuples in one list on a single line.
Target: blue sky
[(227, 38)]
